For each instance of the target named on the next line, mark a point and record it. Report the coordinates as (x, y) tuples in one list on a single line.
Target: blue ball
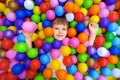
[(20, 14), (38, 2), (20, 56), (110, 2), (106, 71), (17, 69), (21, 38), (41, 51), (95, 56), (46, 23), (112, 27), (114, 50), (104, 22), (72, 69), (44, 59), (29, 13), (18, 23), (56, 44), (59, 11), (116, 42), (20, 2), (94, 74), (42, 67), (6, 22), (26, 63), (80, 27), (46, 47)]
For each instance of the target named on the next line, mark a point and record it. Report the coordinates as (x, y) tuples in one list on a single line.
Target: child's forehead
[(59, 25)]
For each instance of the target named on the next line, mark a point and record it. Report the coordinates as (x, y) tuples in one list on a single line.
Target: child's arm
[(93, 27)]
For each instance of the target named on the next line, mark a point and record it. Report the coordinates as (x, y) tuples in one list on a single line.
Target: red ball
[(103, 62), (99, 41), (79, 16), (67, 61), (3, 76), (119, 12), (4, 64), (11, 76), (96, 66), (113, 16), (44, 7), (7, 44), (38, 43), (31, 74), (35, 64)]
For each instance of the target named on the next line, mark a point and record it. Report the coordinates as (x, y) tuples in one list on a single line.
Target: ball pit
[(69, 59)]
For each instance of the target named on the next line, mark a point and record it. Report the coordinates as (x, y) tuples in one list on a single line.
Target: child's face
[(60, 31)]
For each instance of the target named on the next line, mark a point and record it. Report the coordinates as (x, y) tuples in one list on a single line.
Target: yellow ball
[(41, 34), (55, 64), (82, 67), (2, 7), (94, 18), (40, 27), (84, 11), (69, 77), (36, 10), (96, 1), (79, 2), (12, 28), (111, 78), (7, 10), (65, 50), (34, 36)]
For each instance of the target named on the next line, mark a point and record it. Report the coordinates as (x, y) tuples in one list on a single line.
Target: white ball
[(102, 52), (116, 72), (69, 17), (28, 4), (87, 78)]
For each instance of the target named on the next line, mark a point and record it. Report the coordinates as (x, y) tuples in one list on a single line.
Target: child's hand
[(93, 27), (27, 35)]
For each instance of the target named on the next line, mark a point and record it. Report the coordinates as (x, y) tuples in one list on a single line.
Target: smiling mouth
[(60, 35)]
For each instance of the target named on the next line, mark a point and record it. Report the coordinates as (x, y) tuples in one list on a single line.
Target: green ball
[(32, 53), (53, 78), (49, 39), (99, 32), (3, 28), (43, 16), (111, 66), (73, 51), (82, 57), (21, 47), (118, 65), (109, 37), (73, 24), (118, 21), (87, 3), (107, 45), (35, 18), (39, 77)]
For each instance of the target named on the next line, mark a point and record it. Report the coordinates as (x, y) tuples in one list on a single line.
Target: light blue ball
[(94, 74), (116, 42), (59, 11), (112, 27), (106, 71), (44, 59), (72, 69), (118, 31), (21, 38), (69, 17)]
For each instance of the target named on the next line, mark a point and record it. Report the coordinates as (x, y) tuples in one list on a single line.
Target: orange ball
[(83, 37), (48, 73), (69, 6), (113, 59), (61, 74), (94, 9), (76, 8), (72, 32), (81, 49), (48, 32)]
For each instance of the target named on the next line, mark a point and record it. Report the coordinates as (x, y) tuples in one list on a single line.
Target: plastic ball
[(110, 2), (90, 62), (80, 26), (13, 5), (11, 54), (59, 10), (79, 16), (77, 2), (2, 53), (61, 74), (65, 41), (83, 37), (18, 24), (81, 49), (95, 56), (102, 52), (69, 77), (39, 77), (2, 7), (47, 47), (101, 77), (29, 13), (65, 50), (94, 74), (12, 28), (26, 63), (20, 56), (17, 69), (49, 39), (9, 34), (115, 72), (7, 44), (113, 59), (43, 16), (36, 10), (102, 5), (106, 71), (94, 9), (104, 22), (87, 78), (22, 75), (69, 17), (55, 64), (118, 31), (73, 24), (78, 76), (67, 61), (46, 23), (96, 1), (103, 62), (103, 13), (21, 38), (40, 27), (74, 42), (55, 53), (54, 3), (48, 32), (11, 16), (84, 11), (4, 64), (50, 15), (32, 53), (7, 22), (1, 34), (38, 43), (107, 45), (38, 2), (116, 42), (111, 7), (82, 67), (31, 74), (41, 34), (20, 14), (72, 69), (35, 18), (48, 73), (95, 19), (99, 40), (114, 50), (82, 57), (91, 50), (20, 3), (71, 32), (68, 6), (87, 3), (44, 59), (109, 36), (56, 44), (44, 7), (35, 64), (112, 27), (28, 4), (42, 67)]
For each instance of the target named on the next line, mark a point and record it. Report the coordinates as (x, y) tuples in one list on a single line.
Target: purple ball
[(38, 2), (56, 44), (91, 50), (1, 34), (18, 23), (26, 63), (41, 51), (104, 22), (9, 34), (7, 22), (20, 56), (46, 47), (110, 2), (20, 2), (1, 21)]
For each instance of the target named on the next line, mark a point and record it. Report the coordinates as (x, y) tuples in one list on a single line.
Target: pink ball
[(108, 54), (1, 21), (78, 76), (0, 14), (11, 16), (65, 41), (54, 3), (74, 42), (1, 34), (2, 71), (87, 32), (74, 58), (50, 14), (10, 54), (29, 26), (86, 43), (103, 13), (111, 7), (101, 77), (15, 39), (55, 53), (13, 63), (22, 75), (102, 5)]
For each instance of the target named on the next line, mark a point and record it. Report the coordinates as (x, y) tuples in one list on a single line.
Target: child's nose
[(60, 31)]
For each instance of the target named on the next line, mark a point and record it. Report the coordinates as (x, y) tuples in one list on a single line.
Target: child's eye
[(56, 28), (64, 29)]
